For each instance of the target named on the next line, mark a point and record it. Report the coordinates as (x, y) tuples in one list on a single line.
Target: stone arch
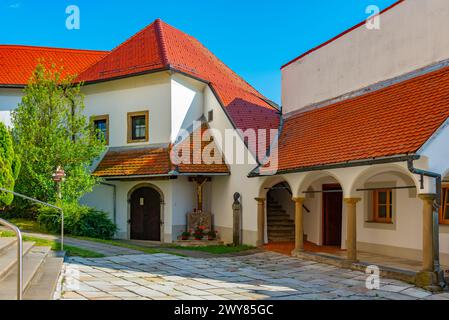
[(313, 176), (162, 205), (373, 171), (270, 182)]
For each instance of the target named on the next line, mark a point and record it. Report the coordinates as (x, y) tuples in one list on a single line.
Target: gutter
[(422, 173), (347, 164)]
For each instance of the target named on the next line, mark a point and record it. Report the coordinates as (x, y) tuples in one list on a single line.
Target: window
[(444, 209), (137, 127), (101, 127), (383, 205), (210, 116)]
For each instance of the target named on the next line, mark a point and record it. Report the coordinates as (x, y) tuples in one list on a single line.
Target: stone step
[(278, 216), (8, 258), (281, 228), (43, 286), (5, 243), (281, 239), (32, 262), (281, 233), (286, 222), (277, 213)]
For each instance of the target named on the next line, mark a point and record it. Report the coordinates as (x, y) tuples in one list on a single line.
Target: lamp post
[(58, 178)]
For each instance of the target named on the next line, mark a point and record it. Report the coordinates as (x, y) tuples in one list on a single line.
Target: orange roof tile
[(395, 120), (156, 161), (197, 162), (17, 63), (134, 162), (160, 46)]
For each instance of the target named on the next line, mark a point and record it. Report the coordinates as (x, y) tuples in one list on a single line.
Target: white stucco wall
[(9, 100), (117, 98), (223, 188), (101, 198), (186, 103), (183, 202), (412, 35)]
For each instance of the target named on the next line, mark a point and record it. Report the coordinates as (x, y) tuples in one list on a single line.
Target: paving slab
[(261, 275)]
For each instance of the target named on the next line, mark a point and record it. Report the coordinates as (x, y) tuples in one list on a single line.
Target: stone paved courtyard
[(265, 275)]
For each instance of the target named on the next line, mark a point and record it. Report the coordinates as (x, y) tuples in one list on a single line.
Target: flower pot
[(184, 238), (211, 239), (198, 238)]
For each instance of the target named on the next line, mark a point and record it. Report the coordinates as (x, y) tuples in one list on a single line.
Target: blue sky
[(253, 37)]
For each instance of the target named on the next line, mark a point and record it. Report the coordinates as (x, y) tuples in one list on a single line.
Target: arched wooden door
[(146, 214)]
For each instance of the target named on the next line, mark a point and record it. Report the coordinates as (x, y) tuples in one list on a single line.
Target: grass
[(33, 226), (220, 249), (118, 243), (27, 225), (71, 251)]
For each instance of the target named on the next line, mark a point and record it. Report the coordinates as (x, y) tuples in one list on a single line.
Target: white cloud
[(15, 5)]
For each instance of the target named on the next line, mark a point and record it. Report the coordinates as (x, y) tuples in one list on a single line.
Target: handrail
[(19, 256), (20, 239)]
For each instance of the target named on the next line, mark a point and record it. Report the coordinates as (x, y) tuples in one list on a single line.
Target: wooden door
[(146, 214), (332, 215)]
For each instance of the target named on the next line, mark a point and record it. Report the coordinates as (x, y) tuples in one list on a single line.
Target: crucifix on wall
[(200, 182)]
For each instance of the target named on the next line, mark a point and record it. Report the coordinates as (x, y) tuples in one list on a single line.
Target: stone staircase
[(41, 269), (280, 227)]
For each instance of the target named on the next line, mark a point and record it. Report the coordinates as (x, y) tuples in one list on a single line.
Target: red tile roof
[(197, 163), (395, 120), (145, 161), (157, 47), (160, 46), (17, 63), (156, 161)]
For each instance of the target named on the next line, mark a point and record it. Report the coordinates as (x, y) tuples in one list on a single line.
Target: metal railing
[(19, 256), (20, 239)]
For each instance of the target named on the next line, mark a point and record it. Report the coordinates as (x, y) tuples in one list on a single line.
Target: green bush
[(20, 210), (78, 220)]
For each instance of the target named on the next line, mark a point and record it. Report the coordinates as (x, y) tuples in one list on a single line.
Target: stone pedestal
[(197, 219), (236, 226)]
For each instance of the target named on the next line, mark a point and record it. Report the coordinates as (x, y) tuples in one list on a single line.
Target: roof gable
[(396, 120), (162, 47)]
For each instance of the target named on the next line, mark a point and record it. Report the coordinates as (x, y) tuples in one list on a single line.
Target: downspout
[(114, 198), (430, 174), (436, 205)]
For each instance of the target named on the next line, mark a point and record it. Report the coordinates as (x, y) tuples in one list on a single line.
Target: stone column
[(428, 200), (299, 225), (260, 221), (351, 228), (430, 277)]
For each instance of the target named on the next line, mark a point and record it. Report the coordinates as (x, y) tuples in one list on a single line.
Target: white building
[(362, 152)]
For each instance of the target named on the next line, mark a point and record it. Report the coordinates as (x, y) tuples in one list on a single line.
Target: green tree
[(9, 166), (50, 130)]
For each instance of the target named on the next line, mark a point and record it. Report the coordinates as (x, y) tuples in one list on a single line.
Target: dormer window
[(101, 127), (138, 127)]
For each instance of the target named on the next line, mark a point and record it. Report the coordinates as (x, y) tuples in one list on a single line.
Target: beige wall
[(412, 35), (9, 99), (144, 93)]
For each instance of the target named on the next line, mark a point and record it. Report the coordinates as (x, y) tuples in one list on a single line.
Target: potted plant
[(186, 235), (212, 235), (199, 233)]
